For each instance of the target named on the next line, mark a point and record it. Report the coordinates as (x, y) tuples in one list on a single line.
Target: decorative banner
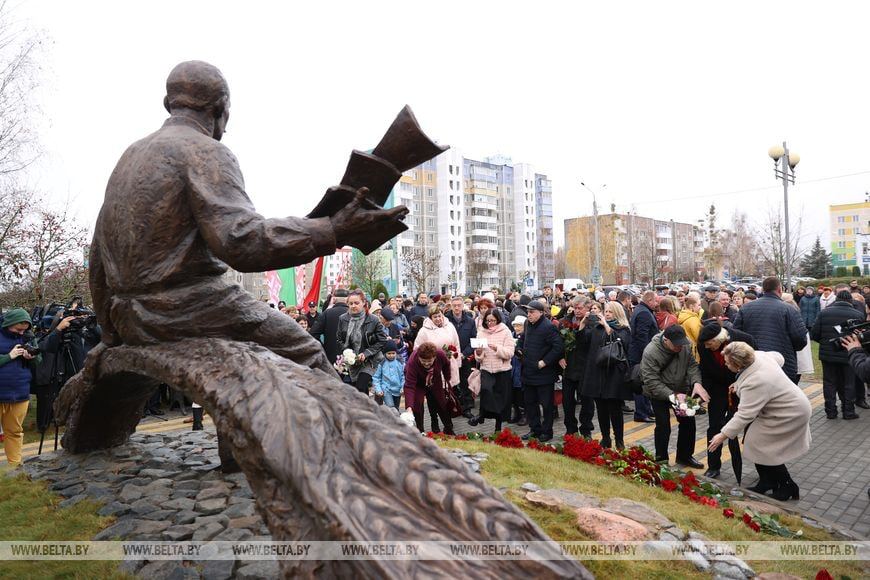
[(288, 285), (316, 283), (273, 282)]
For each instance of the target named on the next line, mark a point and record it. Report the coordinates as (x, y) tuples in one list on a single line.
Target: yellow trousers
[(12, 418)]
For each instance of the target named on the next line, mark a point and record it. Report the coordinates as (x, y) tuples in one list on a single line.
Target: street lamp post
[(596, 268), (784, 163)]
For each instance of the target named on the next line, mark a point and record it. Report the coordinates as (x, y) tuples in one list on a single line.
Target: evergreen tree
[(817, 263)]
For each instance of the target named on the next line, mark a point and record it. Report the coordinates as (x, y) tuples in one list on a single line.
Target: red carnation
[(747, 518), (755, 527), (669, 485), (824, 575), (728, 513)]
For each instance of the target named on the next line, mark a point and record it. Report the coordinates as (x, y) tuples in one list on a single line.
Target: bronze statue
[(174, 216)]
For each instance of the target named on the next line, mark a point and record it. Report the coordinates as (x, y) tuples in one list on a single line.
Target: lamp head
[(793, 159), (776, 152)]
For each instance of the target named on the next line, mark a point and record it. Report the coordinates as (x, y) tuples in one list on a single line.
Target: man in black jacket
[(463, 322), (717, 378), (838, 377), (542, 348), (574, 365), (325, 327), (774, 325), (643, 328)]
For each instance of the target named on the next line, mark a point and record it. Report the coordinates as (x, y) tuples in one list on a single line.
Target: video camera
[(860, 328), (85, 318)]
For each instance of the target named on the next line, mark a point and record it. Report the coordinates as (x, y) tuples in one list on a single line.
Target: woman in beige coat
[(774, 412)]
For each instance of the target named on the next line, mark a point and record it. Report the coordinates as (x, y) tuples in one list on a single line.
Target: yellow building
[(847, 222)]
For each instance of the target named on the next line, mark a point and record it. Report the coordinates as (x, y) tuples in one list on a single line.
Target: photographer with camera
[(19, 355), (838, 378), (73, 332)]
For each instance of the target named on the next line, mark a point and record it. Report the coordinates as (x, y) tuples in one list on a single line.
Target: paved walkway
[(834, 476)]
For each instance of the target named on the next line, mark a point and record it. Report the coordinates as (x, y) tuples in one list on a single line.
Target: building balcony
[(661, 246), (484, 246)]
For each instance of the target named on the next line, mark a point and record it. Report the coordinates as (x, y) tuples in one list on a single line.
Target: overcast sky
[(668, 104)]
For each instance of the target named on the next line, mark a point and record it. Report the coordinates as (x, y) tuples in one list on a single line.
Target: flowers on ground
[(684, 406), (634, 463)]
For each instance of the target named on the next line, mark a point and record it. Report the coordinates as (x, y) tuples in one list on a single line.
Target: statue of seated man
[(176, 214)]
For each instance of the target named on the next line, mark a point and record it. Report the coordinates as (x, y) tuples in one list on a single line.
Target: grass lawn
[(28, 511), (510, 468)]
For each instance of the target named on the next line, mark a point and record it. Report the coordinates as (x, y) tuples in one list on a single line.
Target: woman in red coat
[(428, 374)]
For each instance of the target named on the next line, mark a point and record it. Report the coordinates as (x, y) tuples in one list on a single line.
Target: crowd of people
[(585, 353)]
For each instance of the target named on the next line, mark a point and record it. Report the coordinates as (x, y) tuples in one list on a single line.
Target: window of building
[(841, 219), (432, 238), (430, 222), (841, 244), (430, 207)]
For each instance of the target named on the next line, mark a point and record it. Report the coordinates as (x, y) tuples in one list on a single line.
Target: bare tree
[(50, 240), (560, 263), (15, 208), (772, 244), (420, 268), (476, 268), (743, 246), (644, 261), (19, 76), (368, 271)]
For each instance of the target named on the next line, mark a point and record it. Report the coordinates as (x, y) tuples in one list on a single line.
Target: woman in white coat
[(775, 414)]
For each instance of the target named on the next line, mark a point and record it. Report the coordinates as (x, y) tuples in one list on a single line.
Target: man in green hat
[(14, 381)]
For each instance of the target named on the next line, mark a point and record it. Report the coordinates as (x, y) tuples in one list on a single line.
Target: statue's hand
[(361, 217)]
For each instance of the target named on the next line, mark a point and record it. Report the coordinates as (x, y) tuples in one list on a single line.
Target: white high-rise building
[(489, 223)]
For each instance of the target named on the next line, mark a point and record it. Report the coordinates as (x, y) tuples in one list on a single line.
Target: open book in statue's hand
[(403, 146)]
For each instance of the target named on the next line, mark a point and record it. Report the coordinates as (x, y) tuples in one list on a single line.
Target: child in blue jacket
[(389, 378)]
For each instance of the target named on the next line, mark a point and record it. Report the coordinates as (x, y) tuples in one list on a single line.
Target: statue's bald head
[(196, 85)]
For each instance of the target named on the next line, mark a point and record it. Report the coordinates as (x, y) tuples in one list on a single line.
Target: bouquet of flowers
[(450, 350), (684, 405), (345, 361), (568, 331)]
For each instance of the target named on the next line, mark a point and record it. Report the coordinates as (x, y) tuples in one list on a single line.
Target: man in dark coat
[(774, 325), (521, 309), (466, 328), (716, 379), (643, 329), (542, 348), (838, 377), (325, 327), (421, 308), (574, 365)]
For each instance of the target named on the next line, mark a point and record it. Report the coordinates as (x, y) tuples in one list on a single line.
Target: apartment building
[(848, 223), (634, 249), (483, 223)]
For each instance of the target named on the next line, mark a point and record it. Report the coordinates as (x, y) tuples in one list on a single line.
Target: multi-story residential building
[(486, 223), (847, 223), (253, 282), (633, 249)]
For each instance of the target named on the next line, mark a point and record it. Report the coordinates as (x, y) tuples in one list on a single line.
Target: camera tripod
[(59, 374)]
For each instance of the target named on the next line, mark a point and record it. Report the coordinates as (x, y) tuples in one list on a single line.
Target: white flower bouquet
[(684, 405)]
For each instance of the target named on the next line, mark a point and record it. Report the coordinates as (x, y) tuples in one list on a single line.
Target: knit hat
[(490, 296), (391, 346), (537, 305), (388, 314), (519, 321), (15, 316), (525, 299), (709, 331)]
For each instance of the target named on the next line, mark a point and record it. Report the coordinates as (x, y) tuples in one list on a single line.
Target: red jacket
[(415, 381)]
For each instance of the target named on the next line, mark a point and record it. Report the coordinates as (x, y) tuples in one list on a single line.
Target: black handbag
[(612, 353)]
